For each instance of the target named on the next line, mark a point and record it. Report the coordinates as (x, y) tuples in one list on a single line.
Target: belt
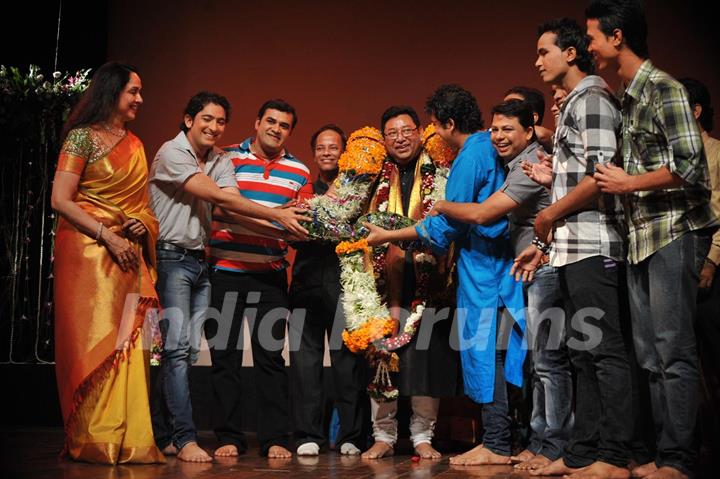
[(195, 253)]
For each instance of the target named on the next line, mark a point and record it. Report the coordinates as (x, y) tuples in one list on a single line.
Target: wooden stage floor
[(33, 454)]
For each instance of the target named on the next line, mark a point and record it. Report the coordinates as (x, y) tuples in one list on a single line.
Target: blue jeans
[(552, 387), (184, 290), (663, 291)]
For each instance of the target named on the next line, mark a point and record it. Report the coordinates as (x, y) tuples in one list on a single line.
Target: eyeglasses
[(404, 132)]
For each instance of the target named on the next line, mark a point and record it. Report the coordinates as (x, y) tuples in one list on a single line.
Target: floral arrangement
[(370, 329), (33, 109), (12, 81), (359, 165), (36, 105)]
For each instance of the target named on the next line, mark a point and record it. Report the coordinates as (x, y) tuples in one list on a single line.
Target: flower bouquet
[(359, 165)]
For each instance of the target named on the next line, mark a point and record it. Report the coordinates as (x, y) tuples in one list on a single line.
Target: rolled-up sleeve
[(682, 133)]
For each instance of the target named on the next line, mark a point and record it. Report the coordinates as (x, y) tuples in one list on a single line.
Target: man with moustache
[(248, 266), (315, 290), (189, 175), (490, 305), (521, 199), (428, 369)]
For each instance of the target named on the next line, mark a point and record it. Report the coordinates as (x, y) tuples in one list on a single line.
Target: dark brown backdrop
[(344, 62)]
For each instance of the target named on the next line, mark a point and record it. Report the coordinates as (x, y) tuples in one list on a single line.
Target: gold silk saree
[(101, 348)]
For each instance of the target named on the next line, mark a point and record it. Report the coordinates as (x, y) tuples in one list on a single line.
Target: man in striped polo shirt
[(248, 260)]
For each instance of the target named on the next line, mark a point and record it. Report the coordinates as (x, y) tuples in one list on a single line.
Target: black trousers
[(262, 299), (603, 429), (323, 315)]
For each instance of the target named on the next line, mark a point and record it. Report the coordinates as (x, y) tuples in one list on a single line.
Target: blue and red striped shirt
[(269, 183)]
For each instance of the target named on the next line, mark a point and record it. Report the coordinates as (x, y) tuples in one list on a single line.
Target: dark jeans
[(603, 424), (663, 291), (495, 416), (707, 330), (552, 385), (184, 290), (262, 299), (324, 315)]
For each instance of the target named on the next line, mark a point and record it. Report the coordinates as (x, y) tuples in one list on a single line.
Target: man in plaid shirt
[(587, 247), (665, 185)]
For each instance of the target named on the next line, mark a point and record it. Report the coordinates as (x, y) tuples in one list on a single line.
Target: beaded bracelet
[(539, 244)]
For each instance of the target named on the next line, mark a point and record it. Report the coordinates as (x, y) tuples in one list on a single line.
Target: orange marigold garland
[(440, 152), (369, 327), (364, 154)]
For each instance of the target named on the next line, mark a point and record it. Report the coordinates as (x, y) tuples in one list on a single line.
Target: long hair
[(100, 99)]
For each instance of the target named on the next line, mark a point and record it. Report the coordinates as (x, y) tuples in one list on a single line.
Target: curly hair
[(456, 103)]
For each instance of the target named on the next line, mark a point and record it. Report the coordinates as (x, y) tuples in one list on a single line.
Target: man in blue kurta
[(484, 262)]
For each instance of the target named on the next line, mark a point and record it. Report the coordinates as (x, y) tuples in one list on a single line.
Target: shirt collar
[(637, 85), (182, 141), (529, 150), (245, 148), (587, 82)]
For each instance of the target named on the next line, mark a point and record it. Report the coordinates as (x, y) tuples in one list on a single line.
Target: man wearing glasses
[(428, 366)]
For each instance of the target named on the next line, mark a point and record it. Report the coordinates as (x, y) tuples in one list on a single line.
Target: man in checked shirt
[(665, 185), (588, 250)]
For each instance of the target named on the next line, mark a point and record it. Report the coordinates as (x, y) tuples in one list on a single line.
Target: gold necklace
[(119, 132)]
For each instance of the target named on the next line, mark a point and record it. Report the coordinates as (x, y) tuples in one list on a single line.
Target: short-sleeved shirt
[(530, 197), (587, 134), (184, 218), (660, 131), (270, 183)]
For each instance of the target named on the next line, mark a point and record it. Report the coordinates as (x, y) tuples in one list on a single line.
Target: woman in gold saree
[(104, 275)]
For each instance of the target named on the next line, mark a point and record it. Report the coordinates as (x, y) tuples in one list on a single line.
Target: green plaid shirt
[(659, 130)]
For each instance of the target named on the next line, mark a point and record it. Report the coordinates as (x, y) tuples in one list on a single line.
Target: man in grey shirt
[(521, 199), (188, 176)]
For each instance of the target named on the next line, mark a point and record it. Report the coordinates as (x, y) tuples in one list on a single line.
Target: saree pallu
[(101, 349)]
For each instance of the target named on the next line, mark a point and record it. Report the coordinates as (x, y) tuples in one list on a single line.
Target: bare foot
[(378, 451), (228, 450), (524, 456), (426, 451), (191, 452), (555, 468), (600, 470), (170, 450), (535, 463), (644, 470), (477, 456), (278, 452), (666, 472)]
